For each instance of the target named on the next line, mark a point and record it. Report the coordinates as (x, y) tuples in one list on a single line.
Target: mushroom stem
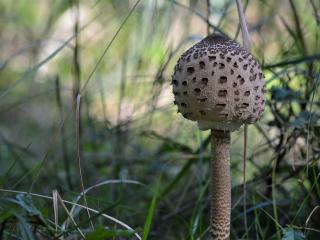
[(220, 185)]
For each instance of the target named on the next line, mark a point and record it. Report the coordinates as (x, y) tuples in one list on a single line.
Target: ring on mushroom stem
[(225, 97)]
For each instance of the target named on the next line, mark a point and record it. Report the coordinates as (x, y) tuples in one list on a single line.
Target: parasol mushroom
[(221, 86)]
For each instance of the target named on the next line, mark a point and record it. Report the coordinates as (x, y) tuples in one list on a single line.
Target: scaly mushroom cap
[(219, 84)]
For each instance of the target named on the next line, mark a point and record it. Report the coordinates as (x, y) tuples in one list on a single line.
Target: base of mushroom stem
[(223, 126)]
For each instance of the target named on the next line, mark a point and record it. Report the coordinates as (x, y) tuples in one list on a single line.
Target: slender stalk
[(220, 186), (245, 144), (247, 46), (64, 142)]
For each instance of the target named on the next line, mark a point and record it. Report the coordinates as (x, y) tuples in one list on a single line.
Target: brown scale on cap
[(224, 82)]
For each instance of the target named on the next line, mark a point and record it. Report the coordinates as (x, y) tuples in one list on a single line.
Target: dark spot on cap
[(203, 99), (222, 93), (223, 79), (204, 80), (235, 65), (211, 58), (244, 105), (220, 105), (190, 70)]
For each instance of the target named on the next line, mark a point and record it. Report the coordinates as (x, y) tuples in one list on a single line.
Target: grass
[(144, 169)]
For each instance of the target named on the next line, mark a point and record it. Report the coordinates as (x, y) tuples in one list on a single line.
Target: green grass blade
[(148, 222)]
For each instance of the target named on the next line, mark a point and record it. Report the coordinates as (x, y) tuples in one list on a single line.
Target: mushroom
[(221, 86)]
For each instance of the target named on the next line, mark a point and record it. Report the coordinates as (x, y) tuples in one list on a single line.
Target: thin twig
[(55, 209), (78, 154), (245, 141), (69, 215), (247, 46), (64, 143), (244, 28)]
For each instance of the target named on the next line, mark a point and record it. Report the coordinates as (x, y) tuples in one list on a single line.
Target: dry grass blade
[(245, 145), (69, 215), (78, 154), (55, 208), (244, 28), (309, 217), (247, 46)]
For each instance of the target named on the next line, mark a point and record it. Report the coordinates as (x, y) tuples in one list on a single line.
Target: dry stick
[(239, 26), (55, 209), (221, 185), (64, 143), (244, 28), (247, 46), (69, 215), (245, 141), (76, 53), (78, 154)]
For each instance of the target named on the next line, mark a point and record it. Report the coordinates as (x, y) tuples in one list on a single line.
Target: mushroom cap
[(219, 84)]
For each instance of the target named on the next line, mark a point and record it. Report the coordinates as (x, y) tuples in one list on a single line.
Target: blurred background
[(86, 103)]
